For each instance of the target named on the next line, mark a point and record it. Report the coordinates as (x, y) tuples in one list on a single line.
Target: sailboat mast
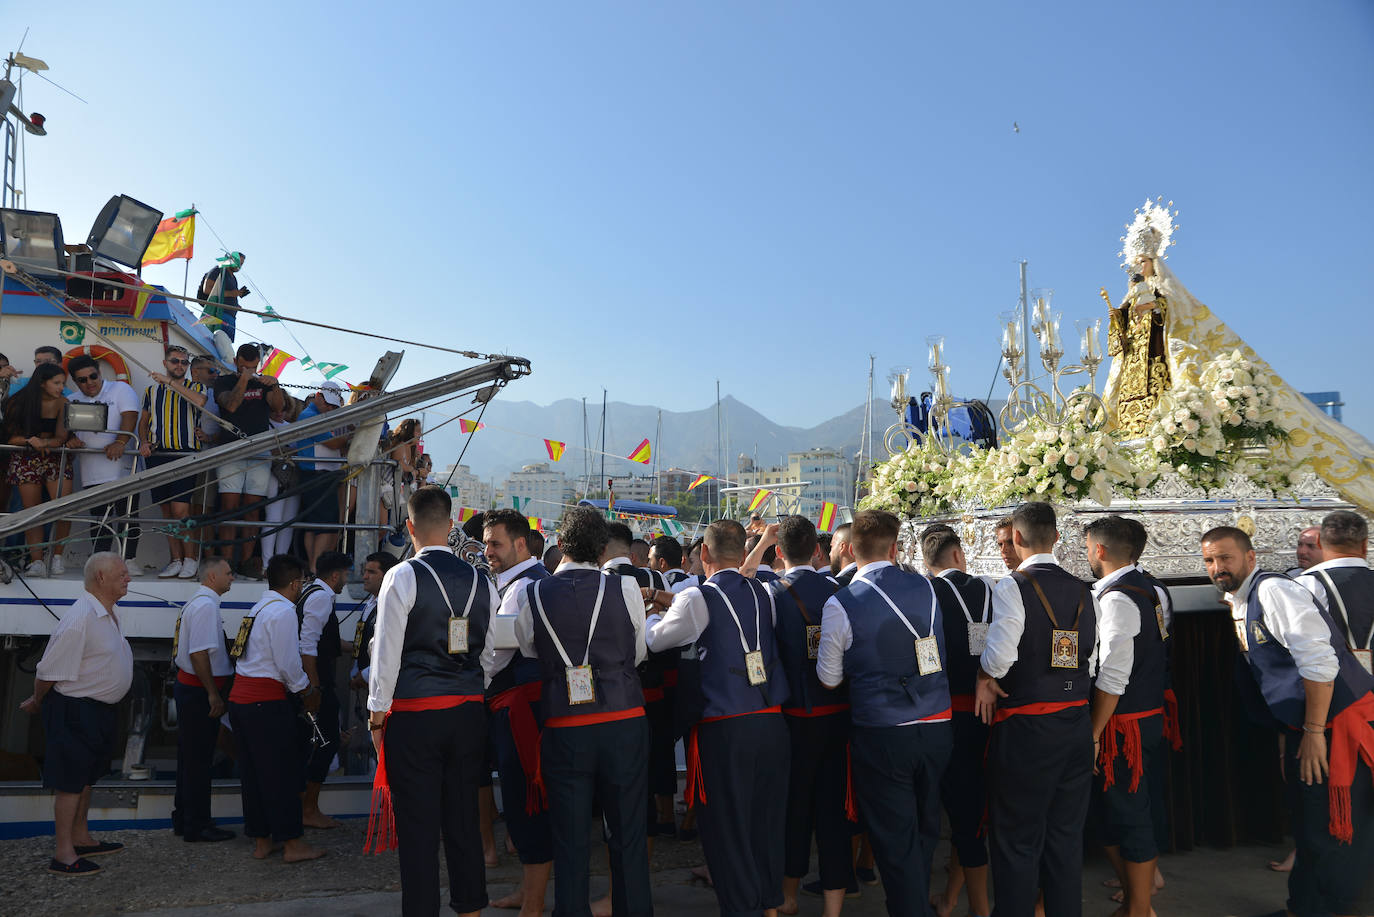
[(603, 440), (658, 482)]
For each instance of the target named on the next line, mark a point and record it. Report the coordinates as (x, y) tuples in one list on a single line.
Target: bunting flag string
[(555, 449), (760, 497), (141, 303), (826, 522), (470, 426), (536, 524), (275, 361), (640, 453), (701, 479)]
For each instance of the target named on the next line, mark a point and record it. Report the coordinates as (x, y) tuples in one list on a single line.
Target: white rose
[(1051, 458), (1191, 426), (1160, 444), (1171, 428), (1042, 487), (1070, 458), (1249, 391), (1252, 414), (1181, 415), (923, 486), (1190, 444), (910, 487), (1227, 375), (1101, 453), (1079, 472), (1233, 418)]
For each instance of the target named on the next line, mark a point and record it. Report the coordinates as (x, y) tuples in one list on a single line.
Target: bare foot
[(491, 857), (704, 874), (318, 819), (1286, 865), (263, 848), (601, 907), (512, 902), (789, 906), (943, 906), (298, 851)]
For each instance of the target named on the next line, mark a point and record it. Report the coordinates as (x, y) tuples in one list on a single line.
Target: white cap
[(333, 393)]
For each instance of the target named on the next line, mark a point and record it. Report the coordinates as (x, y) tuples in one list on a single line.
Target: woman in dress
[(33, 419)]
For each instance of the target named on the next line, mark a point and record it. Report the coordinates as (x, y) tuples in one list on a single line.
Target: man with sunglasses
[(112, 462), (167, 426)]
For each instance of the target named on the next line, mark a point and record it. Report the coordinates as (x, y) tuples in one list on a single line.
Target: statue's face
[(1145, 267)]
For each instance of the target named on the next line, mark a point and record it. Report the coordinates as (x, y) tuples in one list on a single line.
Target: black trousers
[(1329, 877), (744, 768), (1039, 772), (662, 761), (318, 758), (433, 759), (608, 763), (897, 773), (531, 834), (269, 768), (816, 784), (197, 734), (964, 792), (1127, 817)]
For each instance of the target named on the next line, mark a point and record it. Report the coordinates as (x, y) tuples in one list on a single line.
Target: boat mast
[(658, 482), (603, 442)]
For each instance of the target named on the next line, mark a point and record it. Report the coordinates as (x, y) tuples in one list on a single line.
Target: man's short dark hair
[(823, 539), (1239, 536), (50, 351), (1139, 537), (725, 539), (382, 559), (1037, 524), (582, 535), (175, 348), (82, 362), (248, 353), (1344, 530), (874, 532), (430, 507), (618, 533), (1113, 533), (938, 541), (669, 550), (796, 539), (1003, 523), (282, 571), (474, 526), (534, 543), (331, 562), (517, 526), (552, 555), (639, 549)]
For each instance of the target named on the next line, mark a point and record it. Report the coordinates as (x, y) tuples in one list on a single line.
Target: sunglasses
[(91, 378), (178, 362)]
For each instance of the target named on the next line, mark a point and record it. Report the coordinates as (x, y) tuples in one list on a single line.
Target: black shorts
[(182, 490), (319, 499), (80, 736)]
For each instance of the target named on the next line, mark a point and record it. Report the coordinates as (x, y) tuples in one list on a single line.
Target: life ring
[(115, 361)]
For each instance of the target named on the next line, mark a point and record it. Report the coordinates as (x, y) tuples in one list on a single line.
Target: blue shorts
[(80, 735)]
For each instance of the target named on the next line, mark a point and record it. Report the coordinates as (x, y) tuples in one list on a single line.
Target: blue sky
[(651, 197)]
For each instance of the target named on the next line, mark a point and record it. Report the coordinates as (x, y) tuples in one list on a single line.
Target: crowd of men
[(820, 703)]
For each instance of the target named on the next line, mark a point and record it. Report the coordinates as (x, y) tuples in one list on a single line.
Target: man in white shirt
[(321, 646), (203, 670), (85, 671), (1033, 687), (268, 664), (114, 462), (1343, 583)]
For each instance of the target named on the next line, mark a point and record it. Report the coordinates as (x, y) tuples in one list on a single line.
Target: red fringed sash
[(1352, 738), (1127, 725), (1173, 732), (524, 729)]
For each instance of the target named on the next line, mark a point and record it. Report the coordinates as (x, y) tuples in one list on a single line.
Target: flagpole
[(186, 273)]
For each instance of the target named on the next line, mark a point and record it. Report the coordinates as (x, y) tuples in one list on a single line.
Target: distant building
[(635, 488), (465, 488), (830, 477), (1329, 402), (535, 490)]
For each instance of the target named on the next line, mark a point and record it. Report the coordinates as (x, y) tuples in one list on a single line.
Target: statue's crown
[(1150, 233)]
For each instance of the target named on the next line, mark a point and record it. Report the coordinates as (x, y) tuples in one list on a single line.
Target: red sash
[(524, 729), (1128, 725), (193, 681), (1352, 738), (815, 711), (249, 689), (1004, 713), (696, 785), (1173, 732)]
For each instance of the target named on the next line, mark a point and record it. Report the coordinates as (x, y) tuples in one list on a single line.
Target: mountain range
[(514, 432)]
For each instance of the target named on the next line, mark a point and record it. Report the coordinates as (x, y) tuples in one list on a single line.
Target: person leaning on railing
[(33, 419)]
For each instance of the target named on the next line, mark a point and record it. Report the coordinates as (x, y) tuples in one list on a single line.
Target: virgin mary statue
[(1160, 336)]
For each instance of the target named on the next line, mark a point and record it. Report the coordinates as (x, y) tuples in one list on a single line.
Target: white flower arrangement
[(912, 483)]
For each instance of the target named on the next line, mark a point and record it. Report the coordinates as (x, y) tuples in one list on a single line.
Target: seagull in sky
[(1015, 128)]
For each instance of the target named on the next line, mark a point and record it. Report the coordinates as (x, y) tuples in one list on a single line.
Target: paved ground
[(160, 876)]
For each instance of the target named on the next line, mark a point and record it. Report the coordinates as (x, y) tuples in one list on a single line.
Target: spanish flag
[(536, 524), (276, 361), (641, 453), (760, 498), (827, 520), (555, 449), (701, 479), (465, 513), (141, 303), (470, 426), (175, 238)]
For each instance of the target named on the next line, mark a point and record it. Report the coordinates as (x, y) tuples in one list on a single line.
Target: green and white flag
[(271, 315), (331, 370), (670, 528)]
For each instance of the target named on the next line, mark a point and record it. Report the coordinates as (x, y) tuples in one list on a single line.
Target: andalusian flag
[(141, 303), (276, 361), (271, 315), (701, 479), (465, 513), (175, 238), (330, 370), (519, 503), (555, 449), (760, 497), (470, 426), (641, 453), (670, 528), (827, 520), (536, 524)]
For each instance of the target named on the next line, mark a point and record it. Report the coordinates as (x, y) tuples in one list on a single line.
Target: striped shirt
[(173, 418)]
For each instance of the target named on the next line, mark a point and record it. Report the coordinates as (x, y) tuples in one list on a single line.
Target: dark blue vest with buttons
[(1277, 674), (800, 596), (885, 686), (1145, 691), (961, 667), (521, 670), (1356, 588), (725, 684), (568, 597), (1032, 680), (428, 669)]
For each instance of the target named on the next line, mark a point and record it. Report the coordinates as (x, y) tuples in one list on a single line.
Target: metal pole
[(1025, 323)]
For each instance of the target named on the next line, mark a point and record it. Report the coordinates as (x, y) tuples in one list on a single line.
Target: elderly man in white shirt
[(85, 672)]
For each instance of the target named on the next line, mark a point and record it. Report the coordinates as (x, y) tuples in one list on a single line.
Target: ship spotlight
[(34, 125), (85, 417), (123, 230), (31, 239)]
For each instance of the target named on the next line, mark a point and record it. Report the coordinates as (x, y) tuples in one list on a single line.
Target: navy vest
[(1145, 690), (568, 597), (885, 686), (1356, 588), (800, 596), (961, 667), (521, 670), (651, 672), (428, 669), (673, 577), (725, 684), (1031, 679), (1277, 674), (362, 635), (766, 575), (331, 643)]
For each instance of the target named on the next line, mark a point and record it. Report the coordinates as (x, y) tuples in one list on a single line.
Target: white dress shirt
[(629, 590), (1118, 624), (691, 580), (319, 606), (685, 620), (87, 655), (1291, 615), (273, 650), (847, 568), (394, 602), (494, 660), (1009, 623), (202, 628)]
